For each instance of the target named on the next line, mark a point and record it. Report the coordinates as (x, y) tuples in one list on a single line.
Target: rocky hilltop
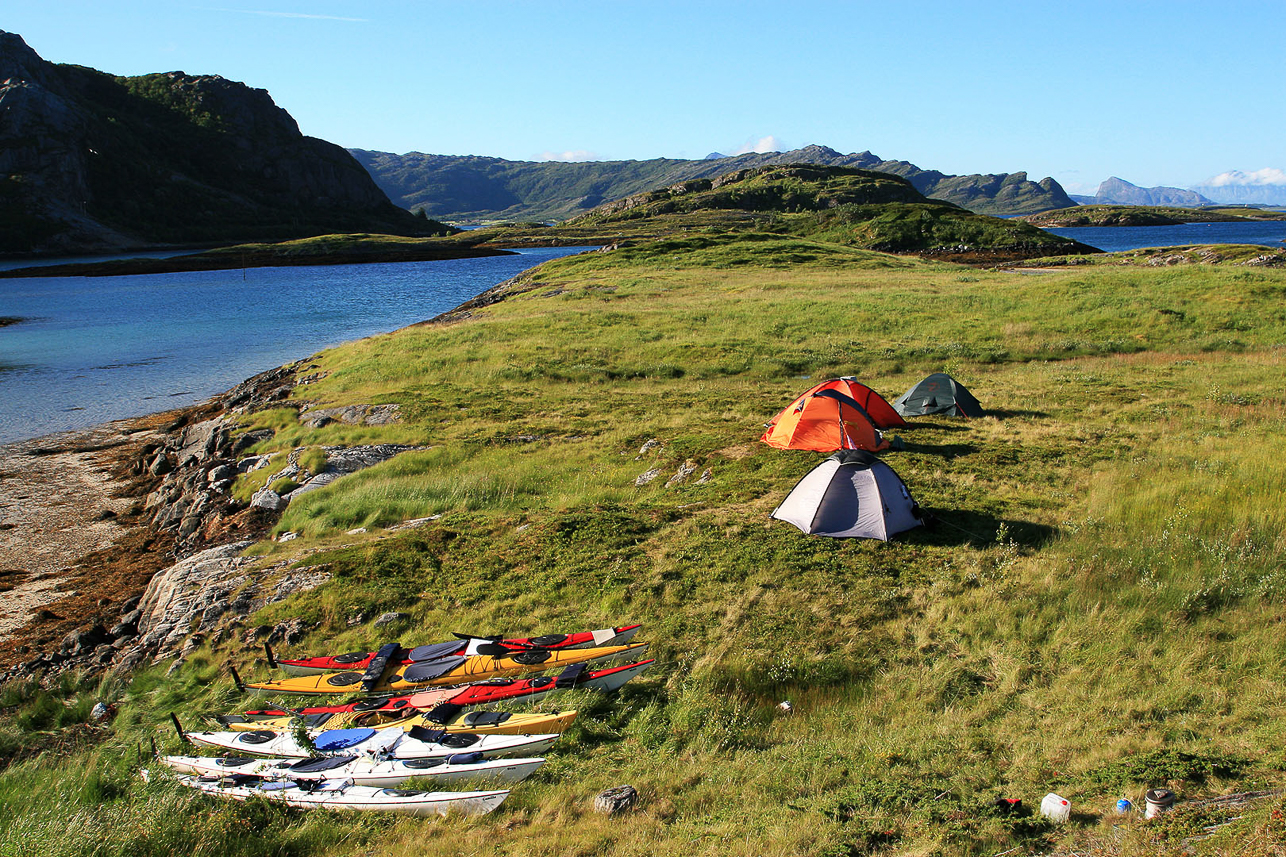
[(89, 161), (461, 188), (842, 205), (1116, 191)]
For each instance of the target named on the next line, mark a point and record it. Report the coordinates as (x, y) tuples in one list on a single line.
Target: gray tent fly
[(852, 494), (938, 394)]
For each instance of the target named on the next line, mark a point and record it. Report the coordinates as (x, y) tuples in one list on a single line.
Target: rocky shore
[(123, 544)]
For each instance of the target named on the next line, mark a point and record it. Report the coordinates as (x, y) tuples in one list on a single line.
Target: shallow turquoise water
[(93, 349)]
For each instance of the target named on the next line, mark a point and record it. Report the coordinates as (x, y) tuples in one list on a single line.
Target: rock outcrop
[(96, 162), (210, 589), (206, 597)]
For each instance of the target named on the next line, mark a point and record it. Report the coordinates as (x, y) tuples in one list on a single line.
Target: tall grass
[(1102, 585)]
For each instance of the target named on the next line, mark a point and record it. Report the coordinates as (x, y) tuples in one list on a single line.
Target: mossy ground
[(1097, 610)]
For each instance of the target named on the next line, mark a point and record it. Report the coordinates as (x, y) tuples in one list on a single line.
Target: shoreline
[(227, 260), (66, 503), (75, 543)]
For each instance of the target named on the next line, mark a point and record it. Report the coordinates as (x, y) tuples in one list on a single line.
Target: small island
[(1145, 215), (347, 249)]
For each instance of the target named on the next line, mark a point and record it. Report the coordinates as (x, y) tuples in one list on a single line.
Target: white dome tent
[(852, 494)]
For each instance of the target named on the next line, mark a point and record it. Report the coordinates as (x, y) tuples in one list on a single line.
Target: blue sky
[(1158, 93)]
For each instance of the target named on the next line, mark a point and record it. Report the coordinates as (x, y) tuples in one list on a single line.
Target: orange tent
[(880, 411), (824, 421)]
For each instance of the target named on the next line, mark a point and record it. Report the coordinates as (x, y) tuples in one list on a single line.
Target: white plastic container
[(1158, 801), (1056, 808)]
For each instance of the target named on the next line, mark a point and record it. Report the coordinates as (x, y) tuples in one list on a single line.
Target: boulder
[(616, 799), (221, 472), (390, 618), (79, 642), (123, 629), (268, 499)]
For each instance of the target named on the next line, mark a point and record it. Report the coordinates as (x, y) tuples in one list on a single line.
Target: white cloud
[(570, 157), (1266, 176), (760, 146)]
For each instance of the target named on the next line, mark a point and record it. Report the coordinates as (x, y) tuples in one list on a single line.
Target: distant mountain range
[(89, 161), (1265, 187), (465, 188), (1262, 187)]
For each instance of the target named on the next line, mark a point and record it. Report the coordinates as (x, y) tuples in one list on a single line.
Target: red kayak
[(480, 693), (465, 645)]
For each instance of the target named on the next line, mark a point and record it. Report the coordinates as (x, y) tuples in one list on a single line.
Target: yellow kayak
[(404, 678), (473, 722)]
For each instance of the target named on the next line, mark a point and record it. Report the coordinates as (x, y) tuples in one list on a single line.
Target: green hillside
[(840, 205), (1095, 612), (473, 188)]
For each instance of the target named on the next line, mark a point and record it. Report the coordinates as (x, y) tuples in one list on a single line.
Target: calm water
[(93, 349), (1113, 238)]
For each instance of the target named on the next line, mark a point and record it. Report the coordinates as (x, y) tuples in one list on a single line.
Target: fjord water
[(93, 349), (1115, 238)]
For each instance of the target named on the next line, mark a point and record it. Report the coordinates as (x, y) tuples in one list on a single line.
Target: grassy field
[(1096, 610)]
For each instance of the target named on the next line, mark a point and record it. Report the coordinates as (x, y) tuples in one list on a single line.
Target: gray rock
[(371, 415), (645, 478), (685, 470), (79, 642), (223, 471), (290, 632), (195, 595), (390, 618), (268, 499), (647, 447), (614, 800), (124, 629), (253, 462), (190, 525), (249, 439)]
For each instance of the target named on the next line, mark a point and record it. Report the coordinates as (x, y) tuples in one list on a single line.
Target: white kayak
[(418, 742), (344, 794), (363, 771)]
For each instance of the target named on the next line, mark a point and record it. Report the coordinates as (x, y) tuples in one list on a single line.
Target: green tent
[(938, 394)]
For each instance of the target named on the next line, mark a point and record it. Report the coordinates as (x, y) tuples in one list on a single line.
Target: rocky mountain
[(1116, 191), (474, 188), (89, 161)]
